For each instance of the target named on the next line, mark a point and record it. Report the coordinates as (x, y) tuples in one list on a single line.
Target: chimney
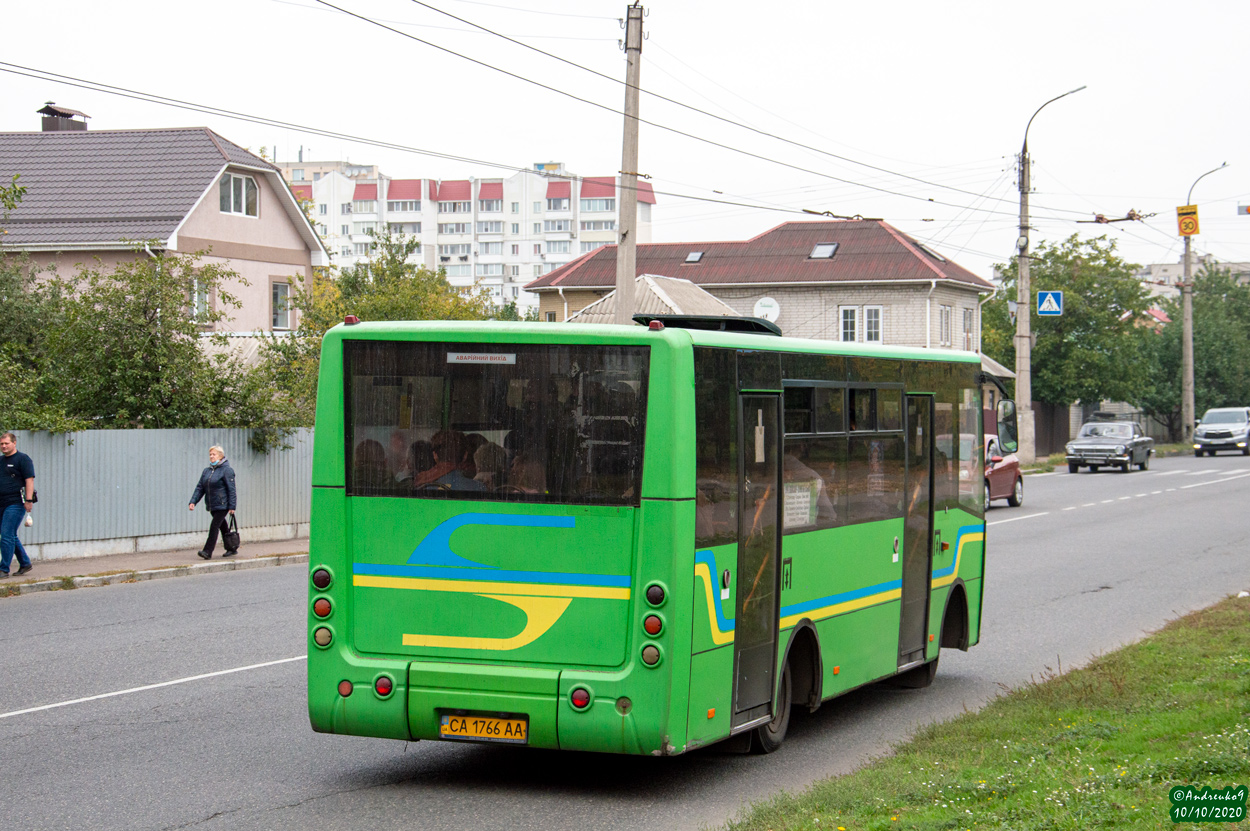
[(60, 119)]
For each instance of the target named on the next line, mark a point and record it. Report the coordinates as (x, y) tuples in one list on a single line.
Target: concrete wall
[(111, 491)]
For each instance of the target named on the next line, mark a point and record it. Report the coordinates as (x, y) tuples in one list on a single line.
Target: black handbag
[(231, 535)]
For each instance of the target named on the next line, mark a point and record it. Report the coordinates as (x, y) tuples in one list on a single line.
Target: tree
[(509, 311), (1221, 308), (1094, 351), (386, 287), (129, 350)]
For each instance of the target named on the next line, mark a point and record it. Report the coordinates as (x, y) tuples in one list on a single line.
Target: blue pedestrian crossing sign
[(1049, 303)]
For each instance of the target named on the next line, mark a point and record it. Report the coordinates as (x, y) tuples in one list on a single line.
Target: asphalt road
[(1088, 563)]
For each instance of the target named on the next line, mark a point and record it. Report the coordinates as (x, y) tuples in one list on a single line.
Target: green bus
[(640, 539)]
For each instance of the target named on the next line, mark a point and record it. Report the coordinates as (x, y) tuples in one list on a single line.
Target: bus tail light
[(321, 579), (321, 608), (580, 698), (345, 688), (322, 636), (653, 625), (383, 686), (655, 594), (650, 655)]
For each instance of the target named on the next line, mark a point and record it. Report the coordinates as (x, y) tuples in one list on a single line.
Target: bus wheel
[(770, 736)]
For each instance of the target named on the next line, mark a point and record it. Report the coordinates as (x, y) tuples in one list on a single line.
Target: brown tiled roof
[(109, 186), (869, 251)]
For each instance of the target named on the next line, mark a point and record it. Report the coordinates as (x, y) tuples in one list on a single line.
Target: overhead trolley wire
[(152, 98), (615, 111), (692, 108)]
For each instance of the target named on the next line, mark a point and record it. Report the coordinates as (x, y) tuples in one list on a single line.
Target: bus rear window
[(512, 422)]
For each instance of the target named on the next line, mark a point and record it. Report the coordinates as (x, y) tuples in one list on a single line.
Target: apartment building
[(499, 233)]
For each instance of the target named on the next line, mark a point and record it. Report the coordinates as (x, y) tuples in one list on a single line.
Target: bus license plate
[(484, 729)]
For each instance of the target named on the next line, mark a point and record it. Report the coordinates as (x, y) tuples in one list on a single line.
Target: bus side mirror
[(1008, 432)]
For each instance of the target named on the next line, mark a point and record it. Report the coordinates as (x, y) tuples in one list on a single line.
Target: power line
[(607, 108), (152, 98), (730, 121)]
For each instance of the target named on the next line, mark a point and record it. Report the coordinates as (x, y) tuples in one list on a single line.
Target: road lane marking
[(1170, 472), (1015, 518), (1107, 501), (1236, 470), (152, 686), (1089, 504), (1155, 493), (1141, 495), (1073, 508), (1171, 489), (1214, 481), (1202, 472), (1125, 497)]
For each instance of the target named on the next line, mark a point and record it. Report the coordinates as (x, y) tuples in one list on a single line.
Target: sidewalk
[(84, 572)]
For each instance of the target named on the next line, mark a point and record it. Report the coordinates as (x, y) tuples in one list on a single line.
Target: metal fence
[(108, 491)]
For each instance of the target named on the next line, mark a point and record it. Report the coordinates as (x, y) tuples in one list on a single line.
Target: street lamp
[(1187, 329), (1024, 340)]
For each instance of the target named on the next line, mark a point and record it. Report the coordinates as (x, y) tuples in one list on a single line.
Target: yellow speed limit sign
[(1187, 220)]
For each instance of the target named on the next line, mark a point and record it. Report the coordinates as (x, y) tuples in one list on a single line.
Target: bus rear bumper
[(436, 690)]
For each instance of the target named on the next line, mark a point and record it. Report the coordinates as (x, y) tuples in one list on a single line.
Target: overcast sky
[(938, 92)]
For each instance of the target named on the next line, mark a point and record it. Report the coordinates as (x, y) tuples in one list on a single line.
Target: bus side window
[(716, 447)]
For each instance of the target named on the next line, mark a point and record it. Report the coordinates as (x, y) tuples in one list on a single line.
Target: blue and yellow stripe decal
[(722, 628), (968, 533), (542, 595)]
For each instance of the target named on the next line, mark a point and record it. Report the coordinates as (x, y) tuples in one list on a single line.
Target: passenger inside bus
[(450, 457)]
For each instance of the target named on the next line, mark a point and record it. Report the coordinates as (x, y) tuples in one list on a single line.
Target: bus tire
[(768, 737)]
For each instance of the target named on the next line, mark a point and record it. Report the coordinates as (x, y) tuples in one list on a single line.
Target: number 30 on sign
[(1187, 220)]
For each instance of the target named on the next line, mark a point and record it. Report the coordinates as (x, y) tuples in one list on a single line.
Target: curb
[(153, 574)]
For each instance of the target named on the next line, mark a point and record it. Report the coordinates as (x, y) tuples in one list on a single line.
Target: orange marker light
[(836, 670), (711, 713), (930, 639)]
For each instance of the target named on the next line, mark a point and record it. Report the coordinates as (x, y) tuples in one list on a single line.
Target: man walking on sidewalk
[(17, 490)]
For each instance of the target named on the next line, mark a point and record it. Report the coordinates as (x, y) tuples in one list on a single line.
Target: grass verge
[(1098, 747)]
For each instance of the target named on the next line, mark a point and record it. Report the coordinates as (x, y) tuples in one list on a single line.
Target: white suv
[(1223, 428)]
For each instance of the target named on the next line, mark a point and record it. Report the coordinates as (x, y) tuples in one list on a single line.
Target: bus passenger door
[(917, 531), (759, 546)]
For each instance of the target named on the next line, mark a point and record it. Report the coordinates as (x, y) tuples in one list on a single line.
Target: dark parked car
[(1117, 443), (1223, 428)]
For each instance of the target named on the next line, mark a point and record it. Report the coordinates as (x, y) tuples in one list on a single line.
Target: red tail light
[(321, 608), (653, 624), (345, 688), (383, 686), (580, 698)]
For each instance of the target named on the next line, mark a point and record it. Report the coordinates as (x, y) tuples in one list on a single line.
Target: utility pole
[(1024, 308), (1187, 318), (626, 249)]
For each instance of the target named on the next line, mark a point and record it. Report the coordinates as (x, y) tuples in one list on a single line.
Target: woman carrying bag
[(216, 485)]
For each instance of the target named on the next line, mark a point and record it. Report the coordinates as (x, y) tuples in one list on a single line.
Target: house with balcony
[(497, 233)]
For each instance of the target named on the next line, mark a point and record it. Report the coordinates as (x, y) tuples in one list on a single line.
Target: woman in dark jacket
[(216, 485)]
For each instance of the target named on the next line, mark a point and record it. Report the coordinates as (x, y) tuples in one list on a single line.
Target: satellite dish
[(768, 309)]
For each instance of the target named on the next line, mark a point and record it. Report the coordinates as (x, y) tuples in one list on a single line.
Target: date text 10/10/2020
[(1190, 804)]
